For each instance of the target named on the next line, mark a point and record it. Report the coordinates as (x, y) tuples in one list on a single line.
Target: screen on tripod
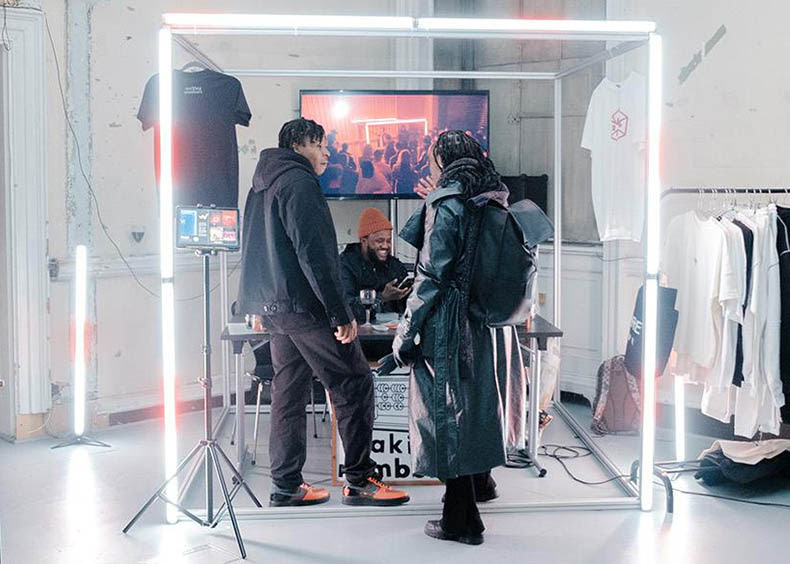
[(207, 228)]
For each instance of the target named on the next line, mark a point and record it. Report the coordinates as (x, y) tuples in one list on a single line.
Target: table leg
[(534, 408), (241, 446)]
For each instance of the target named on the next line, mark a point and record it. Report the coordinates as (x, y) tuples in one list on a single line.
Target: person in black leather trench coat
[(456, 426)]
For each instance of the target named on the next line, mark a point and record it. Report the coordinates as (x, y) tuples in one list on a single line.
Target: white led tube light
[(286, 22), (651, 278), (534, 26), (166, 262), (80, 307)]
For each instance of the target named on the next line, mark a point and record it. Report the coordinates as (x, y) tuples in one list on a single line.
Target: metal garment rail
[(635, 34), (663, 469), (727, 190)]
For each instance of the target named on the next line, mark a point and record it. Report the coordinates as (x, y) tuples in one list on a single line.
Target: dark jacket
[(290, 268), (455, 395), (358, 273)]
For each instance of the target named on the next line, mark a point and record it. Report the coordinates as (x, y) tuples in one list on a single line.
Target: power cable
[(82, 169), (6, 38), (574, 452)]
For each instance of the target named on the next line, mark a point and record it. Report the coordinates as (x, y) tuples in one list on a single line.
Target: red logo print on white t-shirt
[(619, 125)]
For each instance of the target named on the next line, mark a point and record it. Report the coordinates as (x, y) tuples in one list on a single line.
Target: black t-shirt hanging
[(207, 105)]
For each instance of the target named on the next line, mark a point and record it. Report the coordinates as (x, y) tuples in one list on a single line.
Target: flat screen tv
[(378, 139)]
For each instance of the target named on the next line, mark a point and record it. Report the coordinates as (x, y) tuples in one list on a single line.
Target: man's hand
[(347, 333), (425, 187), (391, 292)]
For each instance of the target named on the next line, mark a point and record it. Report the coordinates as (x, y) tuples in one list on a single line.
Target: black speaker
[(534, 188)]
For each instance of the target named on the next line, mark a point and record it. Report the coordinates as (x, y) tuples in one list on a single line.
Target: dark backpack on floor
[(617, 408)]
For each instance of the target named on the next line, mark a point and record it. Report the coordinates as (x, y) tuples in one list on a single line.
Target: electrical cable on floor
[(103, 226), (574, 453), (728, 498)]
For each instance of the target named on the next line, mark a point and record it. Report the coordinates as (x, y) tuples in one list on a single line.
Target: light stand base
[(206, 448), (81, 440)]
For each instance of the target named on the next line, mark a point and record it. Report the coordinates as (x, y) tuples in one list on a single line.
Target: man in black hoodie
[(291, 278)]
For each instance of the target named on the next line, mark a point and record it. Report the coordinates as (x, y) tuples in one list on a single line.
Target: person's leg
[(288, 435), (485, 487), (460, 514), (460, 517), (346, 375)]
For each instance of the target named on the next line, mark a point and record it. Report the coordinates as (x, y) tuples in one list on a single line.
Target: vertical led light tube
[(652, 249), (680, 418), (166, 261), (80, 307)]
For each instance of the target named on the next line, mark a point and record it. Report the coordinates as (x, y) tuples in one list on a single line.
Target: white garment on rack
[(771, 342), (615, 133), (760, 395), (718, 398), (692, 261)]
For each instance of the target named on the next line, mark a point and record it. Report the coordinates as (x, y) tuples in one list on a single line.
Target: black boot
[(435, 530)]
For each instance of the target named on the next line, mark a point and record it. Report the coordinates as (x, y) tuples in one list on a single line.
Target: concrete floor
[(69, 506)]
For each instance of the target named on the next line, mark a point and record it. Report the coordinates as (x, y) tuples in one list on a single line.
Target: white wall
[(728, 123), (122, 56)]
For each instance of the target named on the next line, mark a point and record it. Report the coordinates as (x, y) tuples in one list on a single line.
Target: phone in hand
[(406, 282)]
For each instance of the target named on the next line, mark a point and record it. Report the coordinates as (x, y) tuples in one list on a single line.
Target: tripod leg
[(238, 476), (257, 420), (148, 503), (232, 514)]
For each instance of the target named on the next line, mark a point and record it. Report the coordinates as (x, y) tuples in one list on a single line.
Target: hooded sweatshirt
[(290, 267)]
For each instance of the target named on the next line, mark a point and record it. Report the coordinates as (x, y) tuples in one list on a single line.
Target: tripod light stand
[(208, 448)]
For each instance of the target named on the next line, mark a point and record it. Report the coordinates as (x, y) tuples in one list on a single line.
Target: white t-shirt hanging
[(692, 259), (615, 133)]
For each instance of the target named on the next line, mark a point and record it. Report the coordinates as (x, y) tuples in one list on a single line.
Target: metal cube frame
[(628, 35)]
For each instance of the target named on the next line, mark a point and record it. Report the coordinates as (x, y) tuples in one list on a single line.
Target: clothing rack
[(665, 470), (727, 190)]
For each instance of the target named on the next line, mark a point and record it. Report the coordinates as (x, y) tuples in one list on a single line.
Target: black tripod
[(207, 447)]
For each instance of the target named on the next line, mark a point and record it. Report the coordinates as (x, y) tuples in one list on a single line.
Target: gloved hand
[(404, 351)]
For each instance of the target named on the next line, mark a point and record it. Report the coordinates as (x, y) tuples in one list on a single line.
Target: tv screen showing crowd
[(378, 142)]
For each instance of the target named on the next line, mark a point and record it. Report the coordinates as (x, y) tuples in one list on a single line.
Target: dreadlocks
[(463, 160), (299, 131)]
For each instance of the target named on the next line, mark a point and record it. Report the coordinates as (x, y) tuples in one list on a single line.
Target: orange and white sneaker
[(305, 494), (373, 493)]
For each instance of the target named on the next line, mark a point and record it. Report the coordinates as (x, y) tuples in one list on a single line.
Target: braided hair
[(463, 160)]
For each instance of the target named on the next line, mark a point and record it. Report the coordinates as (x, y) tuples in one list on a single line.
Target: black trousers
[(460, 514), (346, 375)]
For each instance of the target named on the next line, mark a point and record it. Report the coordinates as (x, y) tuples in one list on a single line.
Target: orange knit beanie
[(372, 220)]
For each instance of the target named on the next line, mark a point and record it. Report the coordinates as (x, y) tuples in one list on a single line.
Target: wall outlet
[(542, 298)]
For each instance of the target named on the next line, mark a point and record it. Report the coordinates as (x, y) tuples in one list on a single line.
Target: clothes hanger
[(193, 66)]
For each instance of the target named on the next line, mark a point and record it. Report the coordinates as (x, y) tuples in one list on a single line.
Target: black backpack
[(505, 265)]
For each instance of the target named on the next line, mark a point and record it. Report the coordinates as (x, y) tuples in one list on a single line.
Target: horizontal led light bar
[(285, 22), (278, 24), (534, 26)]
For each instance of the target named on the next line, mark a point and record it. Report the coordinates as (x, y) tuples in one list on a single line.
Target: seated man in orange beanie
[(369, 264)]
